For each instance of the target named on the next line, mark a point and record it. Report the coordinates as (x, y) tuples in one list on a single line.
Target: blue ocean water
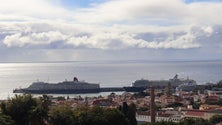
[(107, 73)]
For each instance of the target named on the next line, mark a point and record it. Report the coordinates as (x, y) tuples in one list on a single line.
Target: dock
[(112, 89)]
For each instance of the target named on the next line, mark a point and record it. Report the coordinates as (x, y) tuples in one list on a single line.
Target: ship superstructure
[(174, 82), (140, 85)]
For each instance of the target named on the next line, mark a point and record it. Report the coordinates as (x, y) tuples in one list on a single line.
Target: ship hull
[(70, 91), (57, 91)]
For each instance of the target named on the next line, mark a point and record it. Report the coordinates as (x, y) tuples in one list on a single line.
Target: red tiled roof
[(195, 113), (212, 97), (96, 102)]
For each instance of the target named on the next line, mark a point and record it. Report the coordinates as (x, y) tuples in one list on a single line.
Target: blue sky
[(66, 30), (87, 3), (79, 3)]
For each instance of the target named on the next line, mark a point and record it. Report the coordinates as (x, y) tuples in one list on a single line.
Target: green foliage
[(86, 116), (94, 116), (100, 116), (115, 117), (61, 115), (191, 121), (194, 121), (129, 112), (142, 109), (216, 119), (61, 98), (196, 105), (19, 108), (26, 110), (124, 108), (174, 105), (186, 121), (39, 113), (6, 120)]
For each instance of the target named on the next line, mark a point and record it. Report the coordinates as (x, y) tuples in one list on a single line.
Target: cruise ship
[(65, 87), (140, 85)]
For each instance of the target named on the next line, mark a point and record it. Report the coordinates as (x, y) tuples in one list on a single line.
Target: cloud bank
[(111, 25)]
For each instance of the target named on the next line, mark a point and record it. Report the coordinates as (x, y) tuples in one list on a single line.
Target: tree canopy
[(25, 110)]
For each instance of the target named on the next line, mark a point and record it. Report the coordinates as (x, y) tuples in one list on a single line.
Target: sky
[(84, 30)]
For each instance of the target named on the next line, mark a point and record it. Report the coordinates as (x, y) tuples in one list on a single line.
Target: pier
[(112, 89)]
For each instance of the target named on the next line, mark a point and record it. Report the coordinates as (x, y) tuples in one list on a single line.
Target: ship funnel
[(75, 79), (175, 77)]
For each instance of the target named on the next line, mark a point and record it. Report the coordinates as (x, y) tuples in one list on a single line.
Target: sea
[(106, 73)]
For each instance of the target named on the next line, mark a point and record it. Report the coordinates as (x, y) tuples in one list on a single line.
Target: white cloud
[(31, 10), (111, 25), (115, 11), (42, 38), (131, 10), (103, 37), (152, 11)]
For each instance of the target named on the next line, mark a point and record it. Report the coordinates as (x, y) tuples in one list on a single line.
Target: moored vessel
[(65, 87), (140, 85)]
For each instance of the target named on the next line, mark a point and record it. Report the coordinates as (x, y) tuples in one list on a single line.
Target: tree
[(124, 108), (194, 121), (175, 104), (115, 117), (131, 114), (19, 108), (61, 98), (216, 119), (6, 120), (39, 114), (61, 115), (99, 116), (196, 105), (186, 121), (26, 110)]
